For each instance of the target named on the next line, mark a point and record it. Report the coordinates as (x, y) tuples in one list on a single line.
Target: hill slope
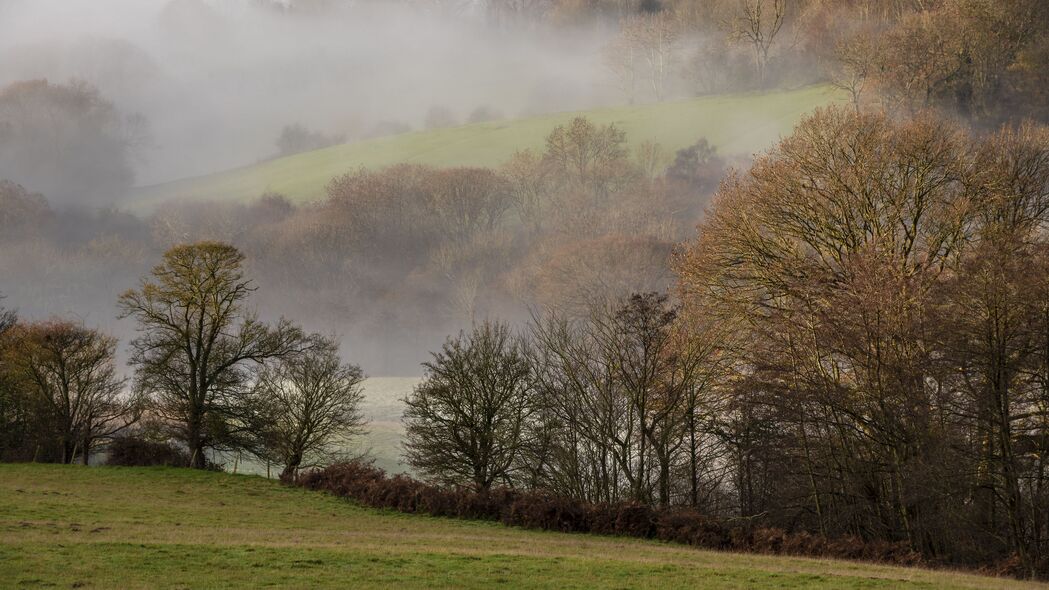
[(169, 528), (736, 124)]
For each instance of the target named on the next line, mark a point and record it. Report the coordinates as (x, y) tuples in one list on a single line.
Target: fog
[(217, 80), (203, 86)]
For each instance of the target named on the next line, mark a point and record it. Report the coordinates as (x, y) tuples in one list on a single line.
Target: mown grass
[(170, 528), (736, 124)]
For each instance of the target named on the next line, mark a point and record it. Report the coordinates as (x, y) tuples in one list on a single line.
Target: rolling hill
[(69, 526), (736, 124)]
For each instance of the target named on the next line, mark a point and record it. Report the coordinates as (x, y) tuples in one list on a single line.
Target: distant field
[(76, 527), (382, 406), (736, 124)]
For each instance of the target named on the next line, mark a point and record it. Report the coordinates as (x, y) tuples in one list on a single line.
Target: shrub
[(401, 493), (768, 540), (689, 527), (635, 520), (347, 479), (804, 543), (485, 505), (436, 501), (547, 512), (602, 518), (370, 486), (134, 451)]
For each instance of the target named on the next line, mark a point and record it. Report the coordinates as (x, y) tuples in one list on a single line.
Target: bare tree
[(467, 201), (308, 406), (622, 57), (531, 187), (645, 52), (590, 453), (197, 341), (854, 68), (580, 149), (588, 160), (758, 23), (917, 61), (624, 386), (465, 423), (638, 339)]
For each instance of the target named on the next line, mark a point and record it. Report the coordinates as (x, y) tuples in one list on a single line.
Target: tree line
[(856, 345), (209, 376)]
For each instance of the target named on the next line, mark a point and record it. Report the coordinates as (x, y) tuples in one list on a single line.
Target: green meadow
[(129, 528), (739, 124)]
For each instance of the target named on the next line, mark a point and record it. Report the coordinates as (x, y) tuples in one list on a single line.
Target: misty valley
[(532, 293)]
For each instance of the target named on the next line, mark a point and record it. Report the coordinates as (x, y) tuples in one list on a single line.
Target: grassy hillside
[(736, 124), (167, 528)]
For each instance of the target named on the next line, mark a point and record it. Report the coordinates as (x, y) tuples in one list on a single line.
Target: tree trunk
[(664, 479), (195, 442), (197, 460), (290, 472), (68, 450), (692, 466)]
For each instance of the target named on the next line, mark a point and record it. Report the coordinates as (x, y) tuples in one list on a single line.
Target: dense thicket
[(886, 286), (61, 397)]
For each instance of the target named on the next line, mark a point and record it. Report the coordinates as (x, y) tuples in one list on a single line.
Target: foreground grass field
[(77, 527), (736, 124)]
